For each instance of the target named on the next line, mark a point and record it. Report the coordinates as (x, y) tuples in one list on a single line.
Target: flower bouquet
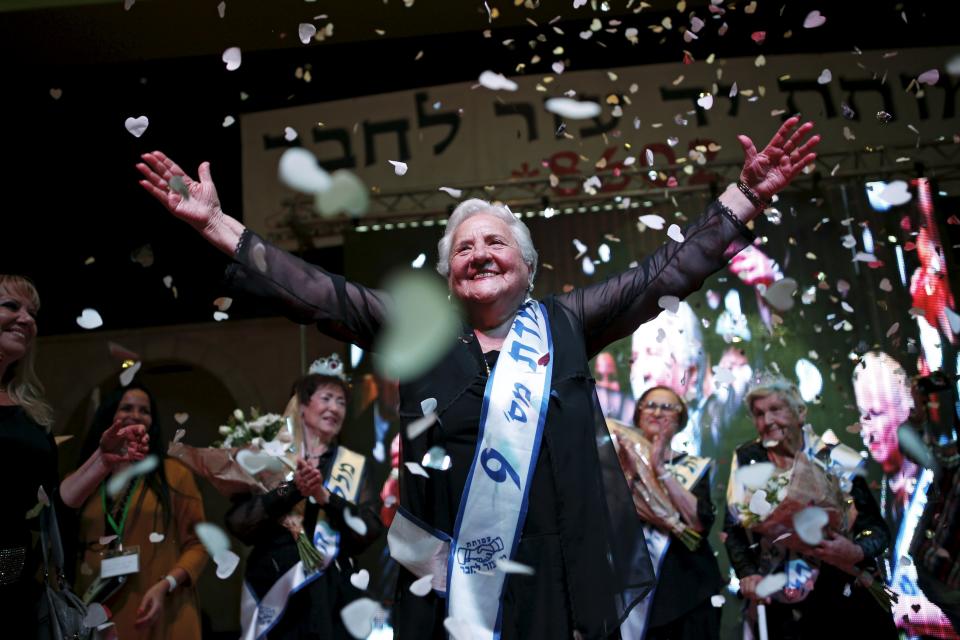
[(649, 497), (792, 507)]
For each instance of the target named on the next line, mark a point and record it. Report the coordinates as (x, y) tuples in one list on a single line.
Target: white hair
[(767, 385), (472, 207)]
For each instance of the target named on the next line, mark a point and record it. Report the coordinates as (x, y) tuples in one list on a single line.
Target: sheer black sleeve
[(306, 293), (351, 541), (870, 530), (613, 309), (706, 511), (253, 517), (743, 554)]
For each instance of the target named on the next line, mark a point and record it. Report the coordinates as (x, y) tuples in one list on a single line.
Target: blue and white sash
[(904, 575), (688, 472), (493, 507), (259, 616)]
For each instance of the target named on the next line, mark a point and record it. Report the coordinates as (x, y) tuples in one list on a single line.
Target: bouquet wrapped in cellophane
[(792, 507), (650, 499), (255, 456)]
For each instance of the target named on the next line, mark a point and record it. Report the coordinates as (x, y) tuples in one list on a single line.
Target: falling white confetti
[(509, 566), (220, 316), (587, 265), (780, 294), (358, 616), (354, 522), (572, 109), (306, 31), (428, 405), (771, 584), (346, 193), (156, 537), (127, 375), (212, 538), (754, 476), (813, 20), (360, 579), (420, 426), (914, 447), (419, 261), (705, 101), (96, 615), (896, 193), (759, 505), (604, 252), (136, 126), (674, 233), (929, 77), (653, 221), (436, 458), (298, 169), (416, 469), (105, 540), (825, 77), (669, 303), (497, 82), (717, 600), (228, 120), (231, 58), (226, 562), (399, 168), (864, 257), (453, 193), (289, 134), (422, 586), (809, 524), (422, 325), (119, 480)]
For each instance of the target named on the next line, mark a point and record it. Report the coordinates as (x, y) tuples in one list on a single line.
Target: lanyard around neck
[(118, 528)]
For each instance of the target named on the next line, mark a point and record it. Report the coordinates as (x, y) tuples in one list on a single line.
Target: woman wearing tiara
[(290, 591)]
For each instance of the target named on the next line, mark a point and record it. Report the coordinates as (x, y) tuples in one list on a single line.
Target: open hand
[(309, 481), (193, 202), (151, 607), (124, 443), (748, 587), (769, 171)]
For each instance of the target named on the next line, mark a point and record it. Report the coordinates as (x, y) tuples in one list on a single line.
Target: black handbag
[(61, 613)]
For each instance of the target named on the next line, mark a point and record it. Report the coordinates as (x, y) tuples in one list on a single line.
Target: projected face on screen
[(666, 351), (884, 401)]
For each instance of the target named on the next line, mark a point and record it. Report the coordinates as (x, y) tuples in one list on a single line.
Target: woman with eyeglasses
[(680, 606)]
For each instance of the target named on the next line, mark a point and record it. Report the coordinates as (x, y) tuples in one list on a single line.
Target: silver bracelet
[(171, 581)]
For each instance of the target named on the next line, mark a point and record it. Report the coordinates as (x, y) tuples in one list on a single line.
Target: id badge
[(120, 563)]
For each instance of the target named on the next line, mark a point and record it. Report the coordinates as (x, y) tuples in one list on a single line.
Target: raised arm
[(301, 291), (614, 308)]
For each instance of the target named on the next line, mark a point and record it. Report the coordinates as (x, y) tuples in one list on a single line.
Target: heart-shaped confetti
[(56, 93), (228, 120), (705, 101), (306, 31), (89, 319), (586, 264), (885, 285), (127, 375), (226, 562), (212, 537), (358, 616), (557, 67), (290, 134), (354, 522), (136, 126), (298, 169), (929, 77), (399, 168), (754, 476), (572, 109), (674, 233), (809, 524), (896, 193), (422, 586), (220, 316), (669, 303), (346, 194), (360, 579), (231, 57), (825, 77), (156, 537), (780, 294), (420, 426), (653, 221), (497, 82), (120, 479), (813, 20)]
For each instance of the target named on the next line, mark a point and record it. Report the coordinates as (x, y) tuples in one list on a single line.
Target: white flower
[(238, 414), (257, 425), (225, 430)]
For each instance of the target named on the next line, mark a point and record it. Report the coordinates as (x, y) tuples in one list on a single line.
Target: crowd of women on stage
[(534, 476)]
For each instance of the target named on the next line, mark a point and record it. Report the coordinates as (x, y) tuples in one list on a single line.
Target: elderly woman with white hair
[(534, 478), (819, 588)]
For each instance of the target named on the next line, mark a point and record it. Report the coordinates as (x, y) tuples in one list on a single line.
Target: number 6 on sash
[(503, 469)]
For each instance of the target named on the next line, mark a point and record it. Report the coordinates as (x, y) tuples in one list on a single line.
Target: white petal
[(572, 109), (422, 586), (771, 584)]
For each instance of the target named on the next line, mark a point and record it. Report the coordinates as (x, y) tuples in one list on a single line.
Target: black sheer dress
[(312, 612), (582, 535)]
